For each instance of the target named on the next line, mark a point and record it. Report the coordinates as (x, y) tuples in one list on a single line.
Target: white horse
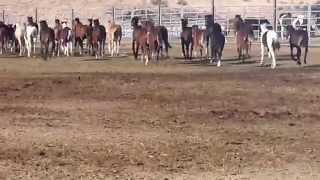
[(269, 40), (66, 44), (31, 39), (20, 33)]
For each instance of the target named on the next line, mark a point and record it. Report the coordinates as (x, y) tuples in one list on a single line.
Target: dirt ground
[(78, 118)]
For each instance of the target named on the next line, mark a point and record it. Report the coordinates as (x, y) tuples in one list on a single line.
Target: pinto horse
[(46, 39), (244, 35), (298, 39), (114, 38), (186, 40), (66, 39), (269, 40), (98, 39)]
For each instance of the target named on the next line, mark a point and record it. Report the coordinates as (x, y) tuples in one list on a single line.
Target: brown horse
[(139, 40), (81, 32), (98, 39), (244, 34), (46, 39), (153, 40), (139, 37), (199, 40), (114, 37)]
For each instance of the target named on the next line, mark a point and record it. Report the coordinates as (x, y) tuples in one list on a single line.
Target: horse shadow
[(195, 61), (97, 60), (246, 62), (11, 57)]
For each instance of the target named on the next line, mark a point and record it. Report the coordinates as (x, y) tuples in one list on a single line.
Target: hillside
[(17, 10)]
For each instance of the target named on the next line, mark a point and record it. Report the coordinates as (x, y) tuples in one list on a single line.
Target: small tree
[(182, 2), (161, 2)]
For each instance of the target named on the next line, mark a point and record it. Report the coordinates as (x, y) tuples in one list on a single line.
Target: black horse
[(46, 39), (216, 39), (298, 39), (186, 40), (164, 39)]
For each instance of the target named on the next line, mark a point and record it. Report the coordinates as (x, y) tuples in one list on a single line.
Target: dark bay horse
[(153, 40), (216, 39), (298, 39), (98, 39), (139, 37), (46, 39), (186, 40), (164, 40), (244, 35), (3, 37)]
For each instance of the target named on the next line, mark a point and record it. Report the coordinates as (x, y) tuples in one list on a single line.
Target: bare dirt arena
[(78, 118)]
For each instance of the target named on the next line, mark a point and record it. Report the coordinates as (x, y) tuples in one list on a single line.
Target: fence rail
[(307, 17)]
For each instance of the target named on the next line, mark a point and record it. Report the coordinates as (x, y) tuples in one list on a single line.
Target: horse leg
[(219, 58), (299, 55), (262, 53), (34, 46), (147, 56), (191, 50), (291, 52), (306, 54), (118, 47), (80, 47), (212, 53), (183, 49)]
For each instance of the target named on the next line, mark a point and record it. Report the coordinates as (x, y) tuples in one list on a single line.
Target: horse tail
[(120, 35), (276, 44)]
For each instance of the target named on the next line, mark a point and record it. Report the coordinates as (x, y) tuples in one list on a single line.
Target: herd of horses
[(148, 40)]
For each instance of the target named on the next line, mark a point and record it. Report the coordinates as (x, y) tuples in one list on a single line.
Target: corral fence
[(302, 16)]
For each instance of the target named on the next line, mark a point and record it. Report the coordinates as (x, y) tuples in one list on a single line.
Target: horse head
[(64, 24), (290, 29), (30, 20), (263, 28), (43, 24), (57, 21), (184, 22), (237, 22), (77, 21), (96, 22), (135, 21)]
